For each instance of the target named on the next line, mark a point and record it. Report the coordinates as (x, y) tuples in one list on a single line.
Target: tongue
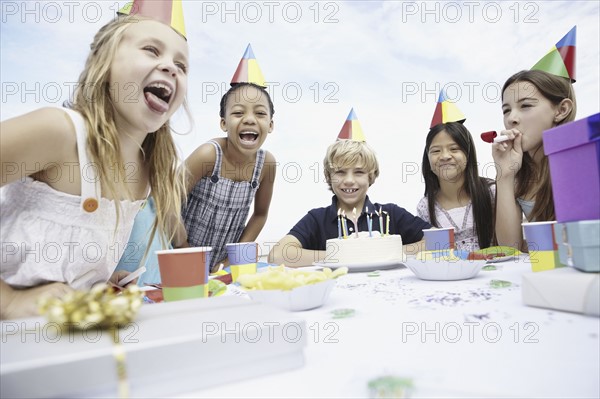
[(155, 103), (248, 137)]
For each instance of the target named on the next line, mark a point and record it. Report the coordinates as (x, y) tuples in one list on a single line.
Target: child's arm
[(262, 201), (23, 303), (200, 164), (410, 227), (423, 210), (508, 215), (508, 157), (35, 141), (414, 248), (289, 251)]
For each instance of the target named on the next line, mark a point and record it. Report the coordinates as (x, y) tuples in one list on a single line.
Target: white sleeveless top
[(462, 219), (47, 236), (526, 207)]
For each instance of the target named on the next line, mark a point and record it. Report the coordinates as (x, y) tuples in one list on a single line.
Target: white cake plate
[(362, 267)]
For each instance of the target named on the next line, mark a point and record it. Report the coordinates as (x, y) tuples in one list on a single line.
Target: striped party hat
[(169, 12), (351, 129), (248, 70), (445, 111), (560, 60)]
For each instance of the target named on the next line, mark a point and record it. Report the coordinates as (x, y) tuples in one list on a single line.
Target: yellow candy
[(280, 278)]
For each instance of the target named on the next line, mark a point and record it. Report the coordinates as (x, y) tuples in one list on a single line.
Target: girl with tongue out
[(227, 173), (74, 179)]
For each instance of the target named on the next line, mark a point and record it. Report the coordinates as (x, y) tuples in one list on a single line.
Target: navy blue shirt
[(320, 224)]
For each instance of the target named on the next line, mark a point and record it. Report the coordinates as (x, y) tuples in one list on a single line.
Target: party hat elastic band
[(351, 129), (560, 60), (445, 112), (169, 12), (248, 70)]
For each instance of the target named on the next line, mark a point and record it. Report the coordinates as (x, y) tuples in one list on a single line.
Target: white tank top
[(48, 235)]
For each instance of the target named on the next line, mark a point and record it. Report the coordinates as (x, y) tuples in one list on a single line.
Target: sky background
[(387, 59)]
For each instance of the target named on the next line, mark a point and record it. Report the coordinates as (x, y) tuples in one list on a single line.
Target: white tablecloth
[(454, 339)]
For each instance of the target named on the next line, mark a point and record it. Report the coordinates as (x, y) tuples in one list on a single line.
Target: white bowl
[(301, 298), (438, 269)]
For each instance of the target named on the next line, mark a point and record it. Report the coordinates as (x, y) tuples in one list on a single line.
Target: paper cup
[(541, 242), (439, 239), (540, 236), (242, 253), (184, 272)]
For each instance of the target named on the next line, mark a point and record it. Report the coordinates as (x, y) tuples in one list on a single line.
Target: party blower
[(492, 137)]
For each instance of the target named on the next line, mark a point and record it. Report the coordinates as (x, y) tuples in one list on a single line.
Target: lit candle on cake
[(339, 218), (355, 221), (387, 223), (369, 221), (380, 214), (344, 225)]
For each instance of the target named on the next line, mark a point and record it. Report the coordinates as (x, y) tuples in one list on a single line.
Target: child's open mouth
[(248, 137), (158, 95), (349, 190)]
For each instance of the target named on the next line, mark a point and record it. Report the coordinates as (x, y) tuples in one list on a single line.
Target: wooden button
[(90, 205)]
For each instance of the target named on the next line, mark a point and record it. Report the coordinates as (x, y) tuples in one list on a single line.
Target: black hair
[(475, 186), (237, 86)]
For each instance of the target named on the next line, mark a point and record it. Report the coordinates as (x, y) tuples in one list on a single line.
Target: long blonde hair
[(93, 100), (555, 89)]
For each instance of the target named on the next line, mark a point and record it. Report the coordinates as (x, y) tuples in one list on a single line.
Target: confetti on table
[(482, 316), (500, 284), (342, 313), (390, 387)]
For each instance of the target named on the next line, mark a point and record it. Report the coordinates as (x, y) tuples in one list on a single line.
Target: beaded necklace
[(464, 223)]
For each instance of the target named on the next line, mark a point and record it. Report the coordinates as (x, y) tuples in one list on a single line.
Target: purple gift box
[(573, 151)]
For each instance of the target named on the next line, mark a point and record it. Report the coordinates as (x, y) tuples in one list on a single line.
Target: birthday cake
[(364, 249)]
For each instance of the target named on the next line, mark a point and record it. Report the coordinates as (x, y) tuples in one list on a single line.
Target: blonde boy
[(350, 168)]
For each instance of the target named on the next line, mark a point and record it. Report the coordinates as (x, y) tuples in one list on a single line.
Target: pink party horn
[(492, 137)]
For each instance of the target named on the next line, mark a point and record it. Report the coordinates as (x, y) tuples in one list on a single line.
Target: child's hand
[(508, 155), (24, 303), (215, 268)]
